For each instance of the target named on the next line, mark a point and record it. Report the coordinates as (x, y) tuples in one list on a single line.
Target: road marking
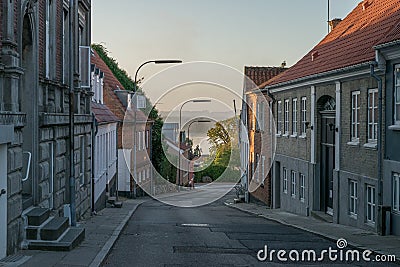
[(195, 224)]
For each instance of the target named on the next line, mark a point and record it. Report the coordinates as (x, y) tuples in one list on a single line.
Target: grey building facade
[(40, 61), (330, 133)]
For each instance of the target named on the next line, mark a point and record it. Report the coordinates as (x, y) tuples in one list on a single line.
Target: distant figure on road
[(191, 183)]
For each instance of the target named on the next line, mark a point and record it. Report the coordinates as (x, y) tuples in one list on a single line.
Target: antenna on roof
[(329, 15)]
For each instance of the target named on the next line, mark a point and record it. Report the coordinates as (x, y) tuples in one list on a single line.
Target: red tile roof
[(351, 42), (260, 75), (111, 84), (103, 114)]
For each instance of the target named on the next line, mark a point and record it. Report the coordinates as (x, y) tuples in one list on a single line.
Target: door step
[(44, 232), (72, 238)]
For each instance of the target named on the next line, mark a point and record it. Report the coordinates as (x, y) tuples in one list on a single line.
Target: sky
[(235, 33)]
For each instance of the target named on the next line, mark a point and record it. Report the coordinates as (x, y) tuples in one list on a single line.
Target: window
[(258, 122), (294, 116), (139, 141), (279, 118), (257, 168), (371, 204), (396, 192), (147, 138), (397, 94), (84, 66), (372, 115), (302, 187), (353, 197), (286, 114), (355, 116), (143, 140), (293, 187), (285, 181), (263, 169), (303, 115), (65, 50), (47, 47), (261, 116)]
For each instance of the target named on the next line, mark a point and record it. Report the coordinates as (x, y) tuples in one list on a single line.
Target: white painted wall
[(105, 157), (3, 201), (124, 160)]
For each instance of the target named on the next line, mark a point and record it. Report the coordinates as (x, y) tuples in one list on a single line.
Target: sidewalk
[(102, 230), (359, 238)]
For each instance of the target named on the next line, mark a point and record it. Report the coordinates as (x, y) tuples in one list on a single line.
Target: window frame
[(370, 204), (279, 118), (293, 178), (353, 198), (294, 117), (286, 118), (285, 180), (396, 192), (371, 119), (355, 113), (302, 193), (396, 91), (304, 116)]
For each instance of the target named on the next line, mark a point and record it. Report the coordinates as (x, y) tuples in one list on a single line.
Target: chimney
[(333, 23)]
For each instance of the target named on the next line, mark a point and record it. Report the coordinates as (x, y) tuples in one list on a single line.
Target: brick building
[(326, 109), (258, 141), (38, 69), (118, 101)]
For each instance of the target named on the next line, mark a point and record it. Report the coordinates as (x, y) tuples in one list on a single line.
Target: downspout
[(71, 113), (379, 144), (94, 131), (116, 154)]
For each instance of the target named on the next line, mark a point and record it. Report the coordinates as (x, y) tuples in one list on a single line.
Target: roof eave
[(319, 77)]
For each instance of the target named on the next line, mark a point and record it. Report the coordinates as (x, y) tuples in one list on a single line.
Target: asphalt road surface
[(212, 235)]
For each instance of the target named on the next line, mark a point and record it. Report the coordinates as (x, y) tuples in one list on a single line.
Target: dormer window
[(97, 84)]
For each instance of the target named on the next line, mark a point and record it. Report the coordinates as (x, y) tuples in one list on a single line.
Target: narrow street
[(212, 235)]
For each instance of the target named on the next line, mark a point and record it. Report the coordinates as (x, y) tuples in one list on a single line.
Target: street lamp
[(163, 61), (180, 133), (199, 121)]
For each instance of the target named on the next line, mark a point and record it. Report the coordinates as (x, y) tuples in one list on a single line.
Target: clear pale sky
[(237, 33)]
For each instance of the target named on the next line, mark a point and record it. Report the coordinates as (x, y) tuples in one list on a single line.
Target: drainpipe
[(71, 112), (94, 131), (380, 119)]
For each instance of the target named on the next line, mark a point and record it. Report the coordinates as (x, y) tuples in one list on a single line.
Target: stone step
[(111, 200), (54, 228), (37, 216), (72, 238)]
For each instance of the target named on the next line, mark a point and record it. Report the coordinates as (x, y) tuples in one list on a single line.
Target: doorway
[(28, 105), (3, 201), (327, 159)]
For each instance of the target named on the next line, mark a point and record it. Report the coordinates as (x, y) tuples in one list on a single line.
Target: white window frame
[(47, 40), (353, 198), (304, 116), (372, 112), (257, 168), (294, 116), (285, 180), (396, 108), (355, 112), (396, 192), (293, 178), (302, 187), (279, 118), (286, 118), (371, 204)]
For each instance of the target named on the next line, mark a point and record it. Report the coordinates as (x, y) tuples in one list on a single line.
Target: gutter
[(311, 78), (379, 145)]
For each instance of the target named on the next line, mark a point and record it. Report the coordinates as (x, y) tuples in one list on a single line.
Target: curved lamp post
[(180, 133), (163, 61)]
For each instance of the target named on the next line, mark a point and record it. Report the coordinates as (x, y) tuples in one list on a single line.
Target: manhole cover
[(14, 260)]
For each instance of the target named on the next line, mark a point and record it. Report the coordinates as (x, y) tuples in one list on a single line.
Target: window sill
[(353, 216), (303, 136), (294, 135), (395, 127), (371, 146), (285, 135), (353, 143), (278, 135)]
